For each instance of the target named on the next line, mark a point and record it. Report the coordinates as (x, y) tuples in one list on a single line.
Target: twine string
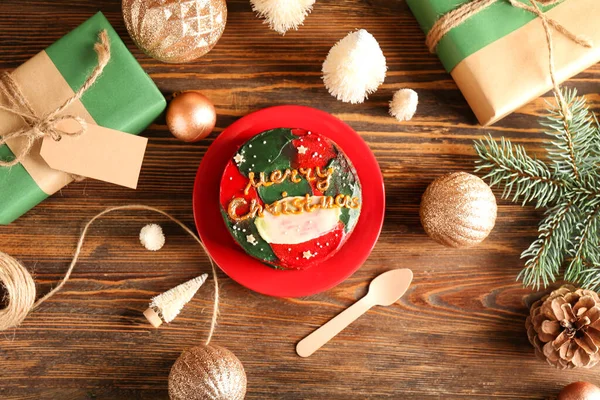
[(452, 19), (456, 17), (37, 127), (20, 286)]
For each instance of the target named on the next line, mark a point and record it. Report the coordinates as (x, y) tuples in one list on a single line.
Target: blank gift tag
[(100, 153)]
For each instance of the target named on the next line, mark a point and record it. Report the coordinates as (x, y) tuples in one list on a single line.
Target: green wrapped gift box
[(499, 56), (124, 98)]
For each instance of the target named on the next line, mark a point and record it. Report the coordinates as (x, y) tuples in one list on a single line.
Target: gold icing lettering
[(255, 209), (296, 205), (323, 178)]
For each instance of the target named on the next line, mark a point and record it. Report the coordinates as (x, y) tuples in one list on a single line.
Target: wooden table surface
[(458, 333)]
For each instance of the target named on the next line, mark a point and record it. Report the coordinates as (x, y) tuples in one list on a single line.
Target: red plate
[(250, 272)]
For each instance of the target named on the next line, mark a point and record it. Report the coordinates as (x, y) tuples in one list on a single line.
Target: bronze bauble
[(191, 116), (175, 31), (458, 210), (207, 373), (580, 391)]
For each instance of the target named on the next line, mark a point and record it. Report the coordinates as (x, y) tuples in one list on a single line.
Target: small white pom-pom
[(404, 104), (354, 67), (283, 15), (152, 237)]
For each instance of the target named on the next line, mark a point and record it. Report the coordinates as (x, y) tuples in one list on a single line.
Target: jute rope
[(20, 286), (47, 125), (459, 15)]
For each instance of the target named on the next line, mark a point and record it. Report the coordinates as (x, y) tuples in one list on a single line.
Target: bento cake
[(290, 198)]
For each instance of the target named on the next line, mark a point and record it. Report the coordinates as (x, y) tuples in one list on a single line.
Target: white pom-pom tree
[(283, 15), (165, 307), (404, 104), (354, 67)]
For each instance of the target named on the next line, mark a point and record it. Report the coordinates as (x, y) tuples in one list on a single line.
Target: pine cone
[(564, 328)]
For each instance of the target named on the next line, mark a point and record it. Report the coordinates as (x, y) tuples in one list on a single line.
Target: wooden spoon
[(384, 290)]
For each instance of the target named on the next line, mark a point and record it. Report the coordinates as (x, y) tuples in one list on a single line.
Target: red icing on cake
[(293, 256), (233, 186)]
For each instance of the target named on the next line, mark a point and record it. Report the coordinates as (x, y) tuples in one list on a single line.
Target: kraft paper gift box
[(124, 98), (499, 57)]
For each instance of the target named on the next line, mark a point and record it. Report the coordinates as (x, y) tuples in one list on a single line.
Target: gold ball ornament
[(175, 31), (580, 391), (458, 210), (191, 116), (207, 373)]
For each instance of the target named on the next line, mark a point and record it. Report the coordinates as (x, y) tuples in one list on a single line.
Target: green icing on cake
[(343, 181), (270, 151), (261, 249), (272, 193)]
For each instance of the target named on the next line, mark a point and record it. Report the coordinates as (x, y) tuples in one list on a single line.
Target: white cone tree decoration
[(165, 307), (354, 67), (283, 15)]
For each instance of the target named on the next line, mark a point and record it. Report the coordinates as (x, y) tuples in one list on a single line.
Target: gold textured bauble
[(458, 210), (580, 391), (191, 116), (175, 31), (207, 373)]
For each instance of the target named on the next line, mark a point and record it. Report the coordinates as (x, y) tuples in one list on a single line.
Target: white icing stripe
[(297, 228)]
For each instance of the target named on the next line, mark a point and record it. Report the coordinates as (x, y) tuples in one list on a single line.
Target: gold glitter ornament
[(458, 210), (175, 31), (207, 373)]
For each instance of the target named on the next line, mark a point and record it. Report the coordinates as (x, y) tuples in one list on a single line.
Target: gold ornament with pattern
[(207, 373), (458, 210), (175, 31)]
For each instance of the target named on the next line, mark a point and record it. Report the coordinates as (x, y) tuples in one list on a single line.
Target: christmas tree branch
[(546, 254), (590, 276), (585, 244), (568, 138), (574, 139), (528, 178), (570, 184)]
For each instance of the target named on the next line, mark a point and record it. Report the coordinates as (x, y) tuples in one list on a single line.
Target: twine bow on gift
[(459, 15), (37, 127)]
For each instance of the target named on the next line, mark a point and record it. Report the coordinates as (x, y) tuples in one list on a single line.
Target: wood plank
[(457, 334)]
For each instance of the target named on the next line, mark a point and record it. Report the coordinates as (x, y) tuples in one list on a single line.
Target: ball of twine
[(20, 292), (20, 286)]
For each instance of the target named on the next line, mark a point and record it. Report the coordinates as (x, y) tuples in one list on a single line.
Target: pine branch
[(585, 245), (595, 151), (573, 140), (570, 232), (546, 255), (590, 276), (523, 177)]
